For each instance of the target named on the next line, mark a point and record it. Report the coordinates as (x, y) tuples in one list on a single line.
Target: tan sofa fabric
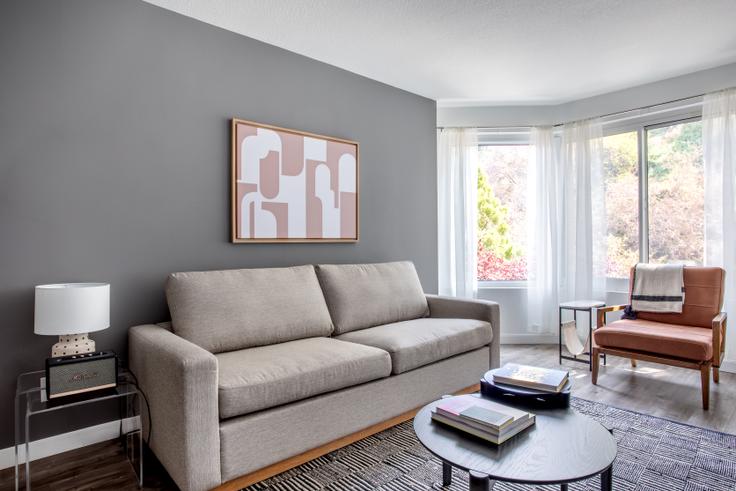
[(441, 307), (265, 311), (367, 295), (692, 343), (236, 309), (180, 382), (260, 439), (268, 376), (419, 342)]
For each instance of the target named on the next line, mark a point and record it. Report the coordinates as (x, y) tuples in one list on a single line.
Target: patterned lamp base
[(73, 344)]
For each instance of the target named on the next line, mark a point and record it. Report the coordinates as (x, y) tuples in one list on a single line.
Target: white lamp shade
[(72, 308)]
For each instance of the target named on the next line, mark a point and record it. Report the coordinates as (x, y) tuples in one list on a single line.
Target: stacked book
[(483, 418), (544, 379)]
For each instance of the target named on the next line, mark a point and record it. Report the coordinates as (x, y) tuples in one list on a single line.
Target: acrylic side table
[(30, 401)]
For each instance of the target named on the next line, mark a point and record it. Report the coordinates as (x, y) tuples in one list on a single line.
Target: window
[(675, 193), (658, 218), (621, 174), (502, 185), (654, 193)]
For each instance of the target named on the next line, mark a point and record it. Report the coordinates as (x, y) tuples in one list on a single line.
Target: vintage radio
[(78, 374)]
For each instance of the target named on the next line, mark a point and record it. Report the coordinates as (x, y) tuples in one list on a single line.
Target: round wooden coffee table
[(562, 447)]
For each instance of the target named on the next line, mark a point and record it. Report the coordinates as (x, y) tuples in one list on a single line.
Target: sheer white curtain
[(719, 159), (583, 239), (457, 183), (567, 255), (544, 221)]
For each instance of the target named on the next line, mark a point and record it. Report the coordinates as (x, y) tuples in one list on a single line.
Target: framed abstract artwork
[(292, 186)]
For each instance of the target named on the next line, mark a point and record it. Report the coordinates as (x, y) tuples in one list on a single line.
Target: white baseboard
[(728, 366), (67, 441), (529, 338)]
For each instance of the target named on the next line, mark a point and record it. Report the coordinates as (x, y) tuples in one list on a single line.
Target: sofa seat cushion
[(419, 342), (691, 343), (259, 378), (367, 295)]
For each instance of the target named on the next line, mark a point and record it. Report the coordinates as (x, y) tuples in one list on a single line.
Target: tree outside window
[(502, 185)]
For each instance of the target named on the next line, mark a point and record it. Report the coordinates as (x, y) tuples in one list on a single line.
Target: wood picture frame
[(292, 186)]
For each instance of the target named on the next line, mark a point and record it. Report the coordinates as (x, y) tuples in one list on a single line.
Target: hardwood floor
[(99, 466), (658, 390), (666, 392)]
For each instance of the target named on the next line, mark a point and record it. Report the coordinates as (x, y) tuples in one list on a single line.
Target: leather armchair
[(692, 339)]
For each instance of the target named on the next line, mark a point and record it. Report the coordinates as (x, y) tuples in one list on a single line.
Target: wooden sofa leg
[(705, 384), (633, 363), (596, 365), (716, 375)]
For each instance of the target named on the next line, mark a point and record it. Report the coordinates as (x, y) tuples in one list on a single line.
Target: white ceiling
[(491, 51)]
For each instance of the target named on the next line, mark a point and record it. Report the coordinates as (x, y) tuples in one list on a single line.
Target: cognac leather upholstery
[(692, 343), (692, 339), (687, 335), (703, 298)]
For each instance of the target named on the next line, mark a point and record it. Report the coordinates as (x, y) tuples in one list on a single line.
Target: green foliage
[(493, 227), (667, 145), (620, 154), (675, 194)]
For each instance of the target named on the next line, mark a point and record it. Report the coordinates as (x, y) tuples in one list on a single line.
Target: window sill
[(503, 285), (615, 285)]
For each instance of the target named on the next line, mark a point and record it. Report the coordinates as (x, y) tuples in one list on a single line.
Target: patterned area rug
[(653, 454)]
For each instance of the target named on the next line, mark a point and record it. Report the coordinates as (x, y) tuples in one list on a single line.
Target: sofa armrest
[(179, 380), (461, 308)]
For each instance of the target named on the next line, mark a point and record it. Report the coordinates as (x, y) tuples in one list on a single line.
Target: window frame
[(504, 137), (642, 127), (639, 121)]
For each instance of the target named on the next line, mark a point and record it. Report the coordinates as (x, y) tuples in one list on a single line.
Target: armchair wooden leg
[(716, 375), (596, 365), (705, 384), (633, 363)]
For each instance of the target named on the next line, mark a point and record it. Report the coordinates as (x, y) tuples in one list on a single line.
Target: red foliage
[(492, 267)]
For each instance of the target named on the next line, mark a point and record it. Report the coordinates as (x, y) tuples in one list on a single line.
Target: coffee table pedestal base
[(446, 474), (479, 482), (607, 479)]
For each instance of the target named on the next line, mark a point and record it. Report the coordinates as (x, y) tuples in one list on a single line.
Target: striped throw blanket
[(658, 288)]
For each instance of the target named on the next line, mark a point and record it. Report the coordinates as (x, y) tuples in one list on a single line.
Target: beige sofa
[(261, 365)]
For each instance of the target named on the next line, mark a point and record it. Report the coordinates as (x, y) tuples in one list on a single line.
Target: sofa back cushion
[(367, 295), (241, 308)]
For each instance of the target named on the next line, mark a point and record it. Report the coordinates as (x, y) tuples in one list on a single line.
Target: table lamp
[(71, 311)]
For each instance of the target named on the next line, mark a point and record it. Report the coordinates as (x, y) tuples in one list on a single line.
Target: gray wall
[(671, 89), (114, 159)]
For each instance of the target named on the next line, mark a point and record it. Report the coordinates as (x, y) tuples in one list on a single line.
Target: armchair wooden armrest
[(604, 310), (719, 336)]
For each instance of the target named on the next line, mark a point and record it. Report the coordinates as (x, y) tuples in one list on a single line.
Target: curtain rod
[(650, 106), (617, 113)]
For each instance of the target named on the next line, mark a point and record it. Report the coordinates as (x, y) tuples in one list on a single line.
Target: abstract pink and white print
[(292, 186)]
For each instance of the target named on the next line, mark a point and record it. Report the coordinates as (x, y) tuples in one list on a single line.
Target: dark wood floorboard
[(100, 466), (667, 392)]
